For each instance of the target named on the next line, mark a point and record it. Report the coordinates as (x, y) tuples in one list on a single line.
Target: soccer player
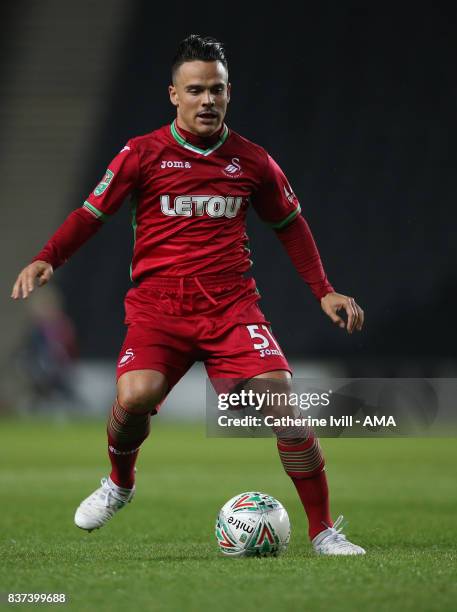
[(191, 183)]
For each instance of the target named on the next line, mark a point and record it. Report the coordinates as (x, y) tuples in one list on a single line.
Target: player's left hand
[(332, 303)]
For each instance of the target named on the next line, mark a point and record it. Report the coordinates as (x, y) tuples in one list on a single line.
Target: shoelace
[(335, 537), (339, 524), (106, 494), (109, 494)]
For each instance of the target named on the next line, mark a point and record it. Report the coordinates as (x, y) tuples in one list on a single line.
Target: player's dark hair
[(196, 47)]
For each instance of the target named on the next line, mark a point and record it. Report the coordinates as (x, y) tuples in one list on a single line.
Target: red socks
[(126, 431), (313, 493), (304, 463), (122, 466)]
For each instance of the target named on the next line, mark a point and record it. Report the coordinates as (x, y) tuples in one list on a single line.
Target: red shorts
[(173, 322)]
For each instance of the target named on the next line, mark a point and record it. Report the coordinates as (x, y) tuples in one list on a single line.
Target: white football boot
[(332, 542), (97, 509)]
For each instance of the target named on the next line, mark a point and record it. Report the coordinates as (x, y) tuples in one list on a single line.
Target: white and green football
[(253, 524)]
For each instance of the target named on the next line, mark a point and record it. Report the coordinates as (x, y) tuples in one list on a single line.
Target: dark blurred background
[(355, 101)]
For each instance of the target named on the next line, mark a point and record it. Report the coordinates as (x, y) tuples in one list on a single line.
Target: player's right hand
[(40, 271)]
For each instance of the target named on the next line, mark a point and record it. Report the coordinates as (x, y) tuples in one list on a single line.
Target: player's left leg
[(239, 346), (303, 461)]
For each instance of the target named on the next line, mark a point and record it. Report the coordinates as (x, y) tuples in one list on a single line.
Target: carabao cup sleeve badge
[(103, 184)]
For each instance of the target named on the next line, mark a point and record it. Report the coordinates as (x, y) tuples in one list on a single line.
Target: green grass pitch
[(160, 553)]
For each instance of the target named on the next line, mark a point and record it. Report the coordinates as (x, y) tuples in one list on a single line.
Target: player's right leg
[(154, 356), (138, 393)]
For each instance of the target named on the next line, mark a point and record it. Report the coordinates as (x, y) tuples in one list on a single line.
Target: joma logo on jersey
[(175, 164), (198, 205)]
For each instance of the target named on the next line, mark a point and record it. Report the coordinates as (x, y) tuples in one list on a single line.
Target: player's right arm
[(119, 180)]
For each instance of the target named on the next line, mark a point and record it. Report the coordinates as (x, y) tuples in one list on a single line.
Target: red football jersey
[(189, 204)]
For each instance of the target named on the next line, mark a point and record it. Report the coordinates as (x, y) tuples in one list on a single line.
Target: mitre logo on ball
[(252, 524)]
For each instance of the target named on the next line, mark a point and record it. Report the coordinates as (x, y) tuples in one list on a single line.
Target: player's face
[(200, 93)]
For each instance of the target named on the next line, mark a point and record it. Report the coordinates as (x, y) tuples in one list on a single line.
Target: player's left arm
[(298, 241), (334, 302), (277, 205)]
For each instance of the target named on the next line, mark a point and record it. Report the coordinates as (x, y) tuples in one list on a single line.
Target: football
[(252, 524)]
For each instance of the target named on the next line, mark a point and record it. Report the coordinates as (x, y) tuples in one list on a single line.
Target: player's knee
[(141, 394), (138, 398), (275, 389)]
